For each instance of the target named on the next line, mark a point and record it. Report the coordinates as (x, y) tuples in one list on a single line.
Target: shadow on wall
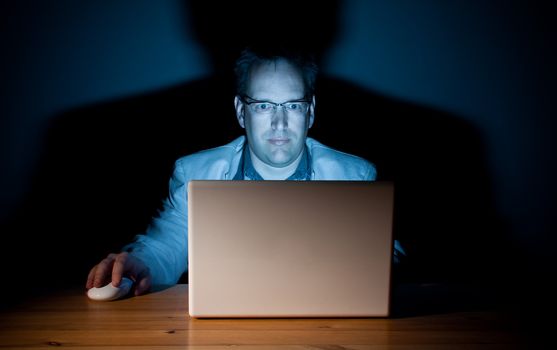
[(105, 167)]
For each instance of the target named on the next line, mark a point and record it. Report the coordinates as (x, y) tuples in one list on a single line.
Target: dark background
[(450, 100)]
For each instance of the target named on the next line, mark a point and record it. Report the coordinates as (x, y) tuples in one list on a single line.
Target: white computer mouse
[(109, 292)]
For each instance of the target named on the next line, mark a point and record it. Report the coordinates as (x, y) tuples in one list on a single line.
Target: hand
[(115, 266)]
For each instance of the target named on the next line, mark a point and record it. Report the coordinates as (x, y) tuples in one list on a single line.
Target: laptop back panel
[(289, 249)]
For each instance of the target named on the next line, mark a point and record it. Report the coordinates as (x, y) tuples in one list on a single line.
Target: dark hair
[(251, 56)]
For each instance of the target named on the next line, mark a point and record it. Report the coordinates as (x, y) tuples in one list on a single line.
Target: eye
[(294, 106), (263, 106)]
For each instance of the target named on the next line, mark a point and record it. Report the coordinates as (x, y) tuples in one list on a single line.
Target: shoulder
[(211, 163), (331, 164)]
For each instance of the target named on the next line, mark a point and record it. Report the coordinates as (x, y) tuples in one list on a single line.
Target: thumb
[(143, 284)]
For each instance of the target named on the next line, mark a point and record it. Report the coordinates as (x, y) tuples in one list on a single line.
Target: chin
[(279, 158), (280, 162)]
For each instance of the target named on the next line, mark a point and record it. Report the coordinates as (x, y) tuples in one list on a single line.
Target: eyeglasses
[(296, 107)]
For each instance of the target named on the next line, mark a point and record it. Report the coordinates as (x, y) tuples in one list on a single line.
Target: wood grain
[(160, 321)]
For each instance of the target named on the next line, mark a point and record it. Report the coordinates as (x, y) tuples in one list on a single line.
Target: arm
[(163, 248), (160, 255), (398, 251)]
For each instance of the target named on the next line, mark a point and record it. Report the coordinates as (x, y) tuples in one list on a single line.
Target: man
[(275, 104)]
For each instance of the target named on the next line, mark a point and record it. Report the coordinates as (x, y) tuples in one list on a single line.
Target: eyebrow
[(302, 99)]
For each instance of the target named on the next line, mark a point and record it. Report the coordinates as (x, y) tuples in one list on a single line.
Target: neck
[(269, 172)]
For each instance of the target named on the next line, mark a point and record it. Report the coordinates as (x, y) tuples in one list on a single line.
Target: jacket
[(164, 245)]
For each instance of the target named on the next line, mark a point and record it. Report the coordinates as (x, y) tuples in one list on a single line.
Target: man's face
[(276, 138)]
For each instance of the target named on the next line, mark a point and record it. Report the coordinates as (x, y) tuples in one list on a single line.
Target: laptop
[(289, 248)]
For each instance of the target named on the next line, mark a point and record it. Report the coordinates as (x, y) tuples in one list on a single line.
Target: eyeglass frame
[(274, 104)]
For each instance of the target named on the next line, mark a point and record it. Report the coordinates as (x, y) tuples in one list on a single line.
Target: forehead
[(275, 80)]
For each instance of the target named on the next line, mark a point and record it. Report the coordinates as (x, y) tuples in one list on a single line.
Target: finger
[(91, 278), (143, 285), (143, 279), (102, 271), (121, 266)]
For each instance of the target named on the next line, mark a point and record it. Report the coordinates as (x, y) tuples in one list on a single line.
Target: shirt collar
[(246, 171)]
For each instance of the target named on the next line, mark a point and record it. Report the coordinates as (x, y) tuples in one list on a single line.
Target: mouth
[(278, 141)]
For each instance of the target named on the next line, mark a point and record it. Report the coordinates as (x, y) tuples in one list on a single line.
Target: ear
[(240, 111), (311, 112)]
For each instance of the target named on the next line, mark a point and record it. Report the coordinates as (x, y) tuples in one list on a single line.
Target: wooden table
[(160, 320)]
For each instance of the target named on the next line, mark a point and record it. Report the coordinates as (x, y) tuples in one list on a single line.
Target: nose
[(280, 119)]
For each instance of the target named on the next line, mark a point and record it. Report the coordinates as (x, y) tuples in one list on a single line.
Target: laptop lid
[(289, 248)]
